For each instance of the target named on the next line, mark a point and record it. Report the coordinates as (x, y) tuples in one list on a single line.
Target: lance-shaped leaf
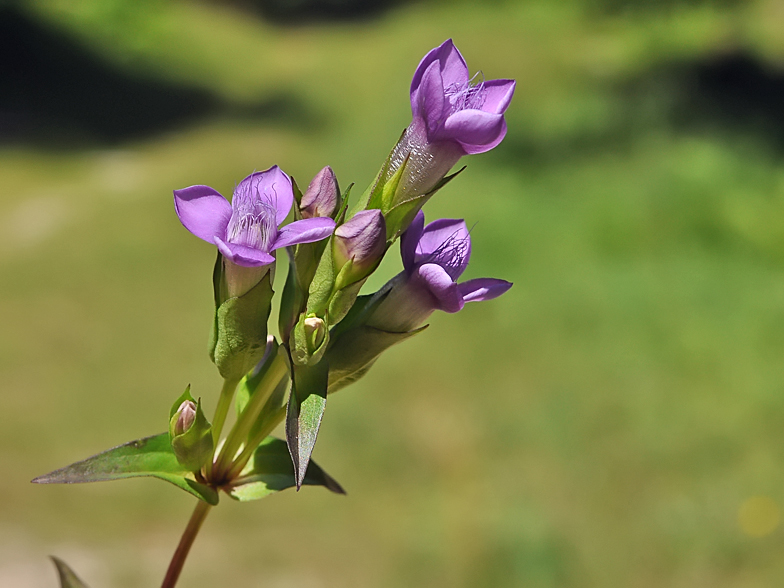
[(271, 471), (68, 579), (305, 410), (150, 456)]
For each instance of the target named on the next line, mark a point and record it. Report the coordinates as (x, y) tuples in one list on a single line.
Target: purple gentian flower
[(434, 257), (246, 231), (453, 115)]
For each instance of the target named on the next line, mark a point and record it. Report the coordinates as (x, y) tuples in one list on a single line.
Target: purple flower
[(453, 116), (434, 257), (246, 231), (453, 107)]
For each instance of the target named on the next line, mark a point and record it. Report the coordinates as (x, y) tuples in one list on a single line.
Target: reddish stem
[(178, 559)]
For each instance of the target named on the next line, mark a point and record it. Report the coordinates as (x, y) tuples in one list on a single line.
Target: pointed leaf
[(68, 579), (307, 402), (151, 456), (271, 471)]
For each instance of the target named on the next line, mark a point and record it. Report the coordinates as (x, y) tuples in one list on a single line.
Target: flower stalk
[(186, 541)]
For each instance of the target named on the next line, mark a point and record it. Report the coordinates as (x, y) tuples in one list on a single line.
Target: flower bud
[(322, 198), (315, 331), (190, 433), (362, 242), (309, 340), (186, 414)]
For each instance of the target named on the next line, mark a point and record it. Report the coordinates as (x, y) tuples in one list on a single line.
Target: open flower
[(434, 257), (246, 231), (453, 107), (453, 115)]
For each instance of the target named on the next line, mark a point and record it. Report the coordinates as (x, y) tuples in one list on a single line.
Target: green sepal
[(389, 191), (342, 301), (271, 471), (322, 284), (150, 456), (176, 406), (240, 334), (400, 216), (68, 579), (373, 192), (194, 447), (356, 350), (340, 214), (297, 198), (307, 402)]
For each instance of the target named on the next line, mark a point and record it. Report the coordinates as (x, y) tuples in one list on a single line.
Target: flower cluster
[(330, 335)]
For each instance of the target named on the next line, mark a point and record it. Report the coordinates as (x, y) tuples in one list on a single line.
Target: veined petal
[(441, 286), (497, 95), (304, 231), (243, 255), (474, 127), (483, 289), (409, 241), (447, 243), (203, 211), (274, 186), (451, 64)]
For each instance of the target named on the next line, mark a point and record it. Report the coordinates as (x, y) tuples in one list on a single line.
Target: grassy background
[(605, 423)]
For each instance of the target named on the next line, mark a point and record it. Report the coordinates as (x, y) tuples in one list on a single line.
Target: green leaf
[(271, 471), (68, 579), (307, 403), (241, 330), (150, 456)]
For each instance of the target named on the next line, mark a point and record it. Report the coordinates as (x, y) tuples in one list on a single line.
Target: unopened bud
[(308, 340), (315, 331), (362, 241), (186, 414), (322, 197)]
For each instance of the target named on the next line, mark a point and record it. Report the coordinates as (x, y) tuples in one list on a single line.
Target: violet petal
[(446, 242), (441, 286), (410, 239), (304, 231), (474, 149), (451, 64), (483, 289), (430, 99), (203, 211), (274, 185), (243, 255), (497, 95), (474, 127)]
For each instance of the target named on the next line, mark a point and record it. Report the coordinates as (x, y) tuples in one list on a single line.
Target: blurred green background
[(614, 420)]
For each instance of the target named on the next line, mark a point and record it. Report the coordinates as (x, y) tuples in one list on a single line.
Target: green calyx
[(309, 340), (239, 335), (190, 432)]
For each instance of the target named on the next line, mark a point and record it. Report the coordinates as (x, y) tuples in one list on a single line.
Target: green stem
[(221, 412), (247, 452), (188, 536), (277, 371)]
